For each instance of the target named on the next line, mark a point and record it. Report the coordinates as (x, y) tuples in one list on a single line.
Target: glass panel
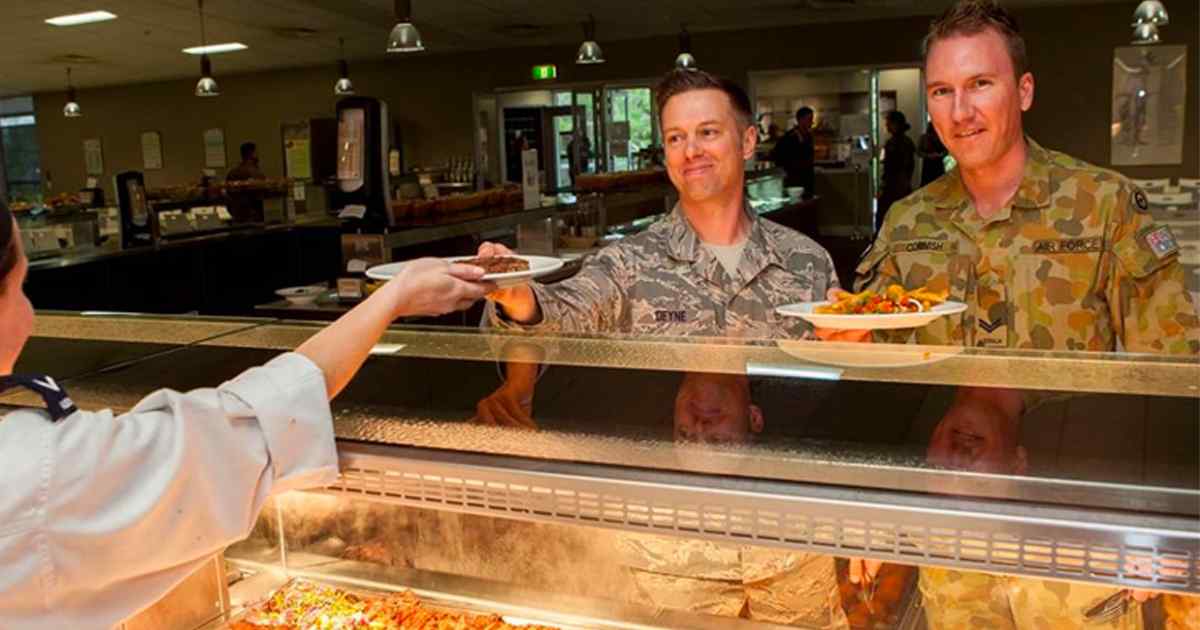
[(17, 121), (563, 575), (576, 575), (798, 412), (843, 135), (586, 113), (22, 158), (95, 342), (564, 147), (630, 126)]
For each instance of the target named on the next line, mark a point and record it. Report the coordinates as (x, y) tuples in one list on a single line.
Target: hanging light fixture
[(685, 60), (1145, 34), (343, 87), (207, 85), (1151, 12), (405, 37), (71, 109), (589, 50)]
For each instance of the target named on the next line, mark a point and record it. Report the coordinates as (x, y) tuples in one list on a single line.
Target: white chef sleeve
[(132, 504)]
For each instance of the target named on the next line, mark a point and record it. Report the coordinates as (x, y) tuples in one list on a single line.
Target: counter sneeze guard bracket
[(1097, 546)]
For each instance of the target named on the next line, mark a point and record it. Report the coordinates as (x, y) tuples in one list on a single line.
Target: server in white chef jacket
[(101, 515)]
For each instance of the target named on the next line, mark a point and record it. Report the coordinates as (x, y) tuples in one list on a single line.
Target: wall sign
[(152, 155), (214, 148), (93, 156)]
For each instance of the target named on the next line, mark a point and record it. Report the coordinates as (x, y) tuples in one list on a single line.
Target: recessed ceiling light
[(76, 19), (213, 49)]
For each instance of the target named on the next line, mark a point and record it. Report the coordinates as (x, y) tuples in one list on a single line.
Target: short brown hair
[(972, 17), (680, 81)]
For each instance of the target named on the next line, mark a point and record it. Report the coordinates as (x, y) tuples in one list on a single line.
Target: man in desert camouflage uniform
[(710, 268), (1076, 262), (1047, 252)]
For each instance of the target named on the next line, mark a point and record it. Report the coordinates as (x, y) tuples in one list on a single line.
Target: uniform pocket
[(935, 264), (868, 268), (1053, 301)]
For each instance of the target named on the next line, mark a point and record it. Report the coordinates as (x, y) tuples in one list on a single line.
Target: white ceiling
[(144, 43)]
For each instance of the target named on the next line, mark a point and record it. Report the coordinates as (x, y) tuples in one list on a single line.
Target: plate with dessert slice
[(505, 271)]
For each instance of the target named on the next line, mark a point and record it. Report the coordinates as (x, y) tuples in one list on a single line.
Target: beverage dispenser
[(360, 196)]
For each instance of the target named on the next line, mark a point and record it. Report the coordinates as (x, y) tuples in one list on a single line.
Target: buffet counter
[(225, 272), (594, 504)]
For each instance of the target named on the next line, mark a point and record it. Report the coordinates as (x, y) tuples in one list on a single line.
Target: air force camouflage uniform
[(1075, 262), (665, 282)]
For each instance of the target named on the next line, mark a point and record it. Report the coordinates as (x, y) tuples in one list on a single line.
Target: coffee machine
[(360, 197)]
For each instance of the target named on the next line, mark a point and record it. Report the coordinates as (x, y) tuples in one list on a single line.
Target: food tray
[(431, 603)]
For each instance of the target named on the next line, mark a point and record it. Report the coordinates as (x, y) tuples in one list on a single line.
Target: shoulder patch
[(1139, 200), (1161, 241)]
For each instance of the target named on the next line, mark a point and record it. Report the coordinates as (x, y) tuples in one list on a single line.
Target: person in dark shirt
[(899, 161), (246, 207), (932, 153), (794, 152), (579, 154)]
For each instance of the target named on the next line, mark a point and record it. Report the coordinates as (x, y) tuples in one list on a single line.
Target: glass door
[(848, 132), (577, 133), (630, 125)]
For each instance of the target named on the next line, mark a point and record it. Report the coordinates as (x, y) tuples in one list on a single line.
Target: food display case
[(617, 482)]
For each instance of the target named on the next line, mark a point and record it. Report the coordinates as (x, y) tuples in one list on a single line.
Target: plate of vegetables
[(894, 308)]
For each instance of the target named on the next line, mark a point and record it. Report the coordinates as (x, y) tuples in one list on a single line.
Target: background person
[(899, 161)]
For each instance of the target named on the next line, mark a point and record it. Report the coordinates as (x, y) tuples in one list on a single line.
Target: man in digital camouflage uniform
[(711, 268), (1047, 252)]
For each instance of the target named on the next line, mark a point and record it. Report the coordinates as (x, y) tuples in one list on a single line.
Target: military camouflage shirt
[(1074, 262), (664, 282)]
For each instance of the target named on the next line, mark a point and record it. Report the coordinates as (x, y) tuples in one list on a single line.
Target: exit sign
[(545, 72)]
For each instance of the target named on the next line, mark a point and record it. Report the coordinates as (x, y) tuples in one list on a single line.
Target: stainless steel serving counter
[(112, 248), (1114, 465)]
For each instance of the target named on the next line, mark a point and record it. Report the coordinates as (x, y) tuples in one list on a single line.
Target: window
[(22, 154), (631, 125)]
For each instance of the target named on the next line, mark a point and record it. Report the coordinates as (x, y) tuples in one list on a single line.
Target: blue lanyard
[(58, 404)]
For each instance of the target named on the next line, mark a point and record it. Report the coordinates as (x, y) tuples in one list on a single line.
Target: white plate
[(886, 321), (866, 355), (538, 266)]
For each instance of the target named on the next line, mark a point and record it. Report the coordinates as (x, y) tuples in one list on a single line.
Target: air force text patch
[(1068, 245)]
